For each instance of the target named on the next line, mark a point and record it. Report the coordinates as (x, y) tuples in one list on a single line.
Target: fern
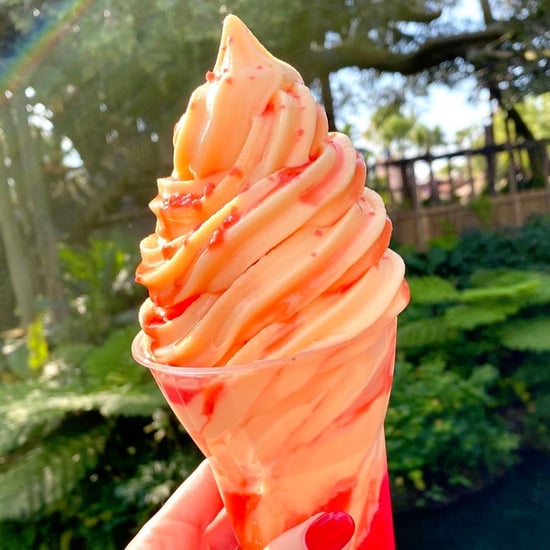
[(37, 411), (112, 364), (128, 402), (469, 316), (155, 480), (527, 334), (511, 277), (497, 295), (43, 475), (431, 290), (20, 425), (519, 290), (424, 332)]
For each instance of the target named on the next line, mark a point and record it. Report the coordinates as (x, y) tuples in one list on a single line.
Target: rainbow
[(37, 45)]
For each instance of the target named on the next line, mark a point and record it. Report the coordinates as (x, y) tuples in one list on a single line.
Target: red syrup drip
[(286, 175), (239, 506), (380, 535), (171, 312), (182, 200), (218, 236), (178, 395), (211, 394), (208, 189), (236, 172), (159, 316), (341, 499), (269, 108)]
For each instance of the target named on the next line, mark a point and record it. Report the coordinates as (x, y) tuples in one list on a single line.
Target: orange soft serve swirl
[(267, 241)]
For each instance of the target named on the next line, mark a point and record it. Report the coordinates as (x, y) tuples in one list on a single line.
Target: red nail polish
[(331, 531)]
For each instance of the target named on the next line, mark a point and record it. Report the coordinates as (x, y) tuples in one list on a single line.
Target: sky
[(453, 109), (462, 106)]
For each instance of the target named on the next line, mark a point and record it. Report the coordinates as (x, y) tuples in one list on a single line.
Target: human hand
[(194, 518)]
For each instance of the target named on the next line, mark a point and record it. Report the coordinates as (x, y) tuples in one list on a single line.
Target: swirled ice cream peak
[(267, 241)]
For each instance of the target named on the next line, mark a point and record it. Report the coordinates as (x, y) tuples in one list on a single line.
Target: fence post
[(490, 158), (408, 181), (516, 203)]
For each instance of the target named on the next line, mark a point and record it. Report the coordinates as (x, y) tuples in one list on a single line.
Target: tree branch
[(430, 54)]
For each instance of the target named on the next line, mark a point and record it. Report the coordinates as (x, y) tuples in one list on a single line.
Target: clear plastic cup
[(292, 437)]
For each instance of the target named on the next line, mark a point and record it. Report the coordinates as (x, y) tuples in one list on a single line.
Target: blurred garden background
[(90, 91)]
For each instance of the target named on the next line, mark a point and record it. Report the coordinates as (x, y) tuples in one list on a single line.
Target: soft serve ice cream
[(267, 241), (270, 322)]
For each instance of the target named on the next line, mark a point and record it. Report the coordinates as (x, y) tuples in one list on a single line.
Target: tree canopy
[(92, 88)]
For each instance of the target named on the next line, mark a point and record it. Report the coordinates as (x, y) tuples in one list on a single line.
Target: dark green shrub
[(472, 380), (88, 449), (526, 247)]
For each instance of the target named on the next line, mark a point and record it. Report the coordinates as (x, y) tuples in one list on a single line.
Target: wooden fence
[(430, 195)]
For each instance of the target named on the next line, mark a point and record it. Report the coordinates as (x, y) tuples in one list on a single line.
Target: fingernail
[(331, 531)]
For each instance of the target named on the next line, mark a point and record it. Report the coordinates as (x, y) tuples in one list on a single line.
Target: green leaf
[(37, 344), (532, 286), (431, 290), (527, 334), (519, 290), (424, 332), (112, 364), (469, 316), (44, 474), (38, 411), (129, 403)]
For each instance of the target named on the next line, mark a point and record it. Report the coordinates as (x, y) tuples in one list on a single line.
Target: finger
[(197, 501), (182, 520), (219, 534), (324, 531)]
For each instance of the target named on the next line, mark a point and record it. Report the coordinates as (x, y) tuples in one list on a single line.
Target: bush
[(471, 382), (441, 432), (89, 449), (526, 247)]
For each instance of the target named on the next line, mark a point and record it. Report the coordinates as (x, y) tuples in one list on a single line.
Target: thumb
[(324, 531)]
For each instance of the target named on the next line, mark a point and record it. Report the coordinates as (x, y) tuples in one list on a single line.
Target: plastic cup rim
[(141, 358)]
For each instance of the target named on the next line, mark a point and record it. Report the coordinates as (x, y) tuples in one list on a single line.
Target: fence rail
[(495, 185)]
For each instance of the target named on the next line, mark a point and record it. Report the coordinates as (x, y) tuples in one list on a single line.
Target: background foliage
[(472, 378), (92, 89), (90, 449)]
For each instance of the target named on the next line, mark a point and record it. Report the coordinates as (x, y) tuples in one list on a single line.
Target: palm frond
[(44, 474)]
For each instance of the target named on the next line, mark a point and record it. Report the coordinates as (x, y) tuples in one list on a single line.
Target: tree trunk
[(19, 264), (328, 101), (536, 159), (42, 222), (487, 13)]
